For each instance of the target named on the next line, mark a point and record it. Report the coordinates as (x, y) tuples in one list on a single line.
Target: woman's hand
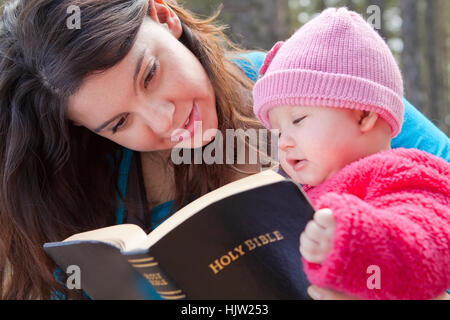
[(444, 296), (317, 293), (327, 294)]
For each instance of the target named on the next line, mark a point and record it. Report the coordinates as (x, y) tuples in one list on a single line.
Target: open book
[(239, 241)]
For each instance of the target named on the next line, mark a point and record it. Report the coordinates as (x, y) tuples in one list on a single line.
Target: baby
[(334, 92)]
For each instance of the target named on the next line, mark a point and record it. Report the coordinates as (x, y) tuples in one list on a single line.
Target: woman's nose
[(159, 117), (285, 141)]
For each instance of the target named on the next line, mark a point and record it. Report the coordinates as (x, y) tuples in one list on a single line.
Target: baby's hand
[(317, 239)]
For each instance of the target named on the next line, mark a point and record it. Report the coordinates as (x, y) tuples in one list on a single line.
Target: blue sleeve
[(420, 133), (252, 66)]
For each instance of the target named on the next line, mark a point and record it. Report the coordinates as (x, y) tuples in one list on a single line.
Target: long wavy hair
[(57, 179)]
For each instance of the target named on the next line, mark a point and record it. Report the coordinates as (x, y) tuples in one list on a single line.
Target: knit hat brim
[(316, 88)]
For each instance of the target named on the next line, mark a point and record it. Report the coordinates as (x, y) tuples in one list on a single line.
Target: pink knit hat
[(335, 60)]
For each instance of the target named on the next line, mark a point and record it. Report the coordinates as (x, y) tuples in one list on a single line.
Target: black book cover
[(244, 246)]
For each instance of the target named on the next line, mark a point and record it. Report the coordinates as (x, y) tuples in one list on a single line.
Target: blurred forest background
[(417, 31)]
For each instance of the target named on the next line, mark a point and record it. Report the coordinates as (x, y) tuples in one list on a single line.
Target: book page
[(125, 236)]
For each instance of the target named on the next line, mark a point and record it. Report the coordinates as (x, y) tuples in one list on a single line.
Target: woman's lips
[(185, 133)]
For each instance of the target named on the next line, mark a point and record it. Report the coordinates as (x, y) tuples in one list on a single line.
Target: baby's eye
[(296, 121)]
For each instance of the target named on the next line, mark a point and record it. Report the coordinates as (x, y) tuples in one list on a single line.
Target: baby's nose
[(285, 141)]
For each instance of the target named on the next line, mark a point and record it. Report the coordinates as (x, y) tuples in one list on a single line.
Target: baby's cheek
[(284, 165), (282, 160)]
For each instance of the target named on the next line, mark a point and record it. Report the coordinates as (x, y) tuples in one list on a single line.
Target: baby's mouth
[(296, 164)]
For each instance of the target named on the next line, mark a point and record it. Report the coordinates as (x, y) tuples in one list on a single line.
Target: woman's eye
[(150, 74), (296, 121), (119, 124)]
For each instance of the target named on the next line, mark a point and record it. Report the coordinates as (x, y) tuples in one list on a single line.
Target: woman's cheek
[(142, 141)]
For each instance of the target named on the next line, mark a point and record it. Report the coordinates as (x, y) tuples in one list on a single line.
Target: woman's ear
[(367, 120), (163, 14)]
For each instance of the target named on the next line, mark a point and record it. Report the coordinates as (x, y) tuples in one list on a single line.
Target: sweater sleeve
[(408, 241)]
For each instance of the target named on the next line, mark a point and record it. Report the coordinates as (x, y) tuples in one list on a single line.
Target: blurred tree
[(320, 5), (349, 4), (418, 32), (257, 23), (201, 7), (446, 60), (431, 53), (254, 24), (410, 55), (436, 55), (421, 40)]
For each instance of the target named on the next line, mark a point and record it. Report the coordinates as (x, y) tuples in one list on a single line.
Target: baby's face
[(315, 142)]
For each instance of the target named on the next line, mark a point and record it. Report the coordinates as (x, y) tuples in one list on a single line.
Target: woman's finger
[(327, 294), (444, 296)]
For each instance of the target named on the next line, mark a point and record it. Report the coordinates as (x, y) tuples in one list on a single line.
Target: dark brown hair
[(58, 179)]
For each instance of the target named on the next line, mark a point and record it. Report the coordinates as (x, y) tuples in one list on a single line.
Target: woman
[(76, 102)]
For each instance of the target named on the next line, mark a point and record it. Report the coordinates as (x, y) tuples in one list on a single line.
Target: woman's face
[(145, 101)]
